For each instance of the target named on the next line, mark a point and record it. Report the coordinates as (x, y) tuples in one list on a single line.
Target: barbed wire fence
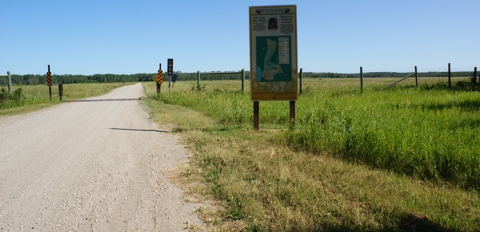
[(399, 77), (360, 78)]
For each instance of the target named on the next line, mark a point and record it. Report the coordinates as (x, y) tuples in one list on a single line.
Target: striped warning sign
[(49, 78), (159, 77)]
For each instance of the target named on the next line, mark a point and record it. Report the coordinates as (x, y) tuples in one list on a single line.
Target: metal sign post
[(170, 72), (174, 79), (159, 78), (49, 82)]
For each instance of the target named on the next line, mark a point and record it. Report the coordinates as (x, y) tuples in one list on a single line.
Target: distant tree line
[(40, 79)]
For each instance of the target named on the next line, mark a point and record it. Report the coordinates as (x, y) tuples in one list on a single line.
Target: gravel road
[(91, 165)]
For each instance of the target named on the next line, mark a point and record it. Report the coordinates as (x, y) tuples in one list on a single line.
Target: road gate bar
[(409, 75)]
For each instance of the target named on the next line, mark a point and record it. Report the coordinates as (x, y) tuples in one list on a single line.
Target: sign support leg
[(256, 115)]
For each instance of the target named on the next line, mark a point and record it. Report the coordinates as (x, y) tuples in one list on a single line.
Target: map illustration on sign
[(273, 59)]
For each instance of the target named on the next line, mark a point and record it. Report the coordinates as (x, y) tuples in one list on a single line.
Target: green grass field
[(37, 96), (398, 159)]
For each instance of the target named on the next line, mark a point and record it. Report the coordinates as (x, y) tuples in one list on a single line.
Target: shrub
[(6, 99)]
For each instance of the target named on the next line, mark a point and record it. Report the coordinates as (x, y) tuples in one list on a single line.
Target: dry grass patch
[(274, 188), (265, 185)]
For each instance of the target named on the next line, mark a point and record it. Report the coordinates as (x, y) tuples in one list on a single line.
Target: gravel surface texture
[(93, 165)]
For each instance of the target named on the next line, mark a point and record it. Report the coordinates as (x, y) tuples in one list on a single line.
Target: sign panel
[(170, 67), (159, 77), (273, 53)]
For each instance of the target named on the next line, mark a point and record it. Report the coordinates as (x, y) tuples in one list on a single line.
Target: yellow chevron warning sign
[(159, 77), (49, 78)]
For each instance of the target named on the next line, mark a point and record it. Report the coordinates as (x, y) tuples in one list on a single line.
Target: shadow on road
[(139, 130), (100, 100)]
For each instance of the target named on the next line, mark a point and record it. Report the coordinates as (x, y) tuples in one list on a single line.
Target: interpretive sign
[(273, 53)]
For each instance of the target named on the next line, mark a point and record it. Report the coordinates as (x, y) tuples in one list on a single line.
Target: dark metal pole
[(243, 80), (416, 77), (301, 80), (50, 87), (256, 113), (361, 78), (474, 75), (449, 77), (158, 85)]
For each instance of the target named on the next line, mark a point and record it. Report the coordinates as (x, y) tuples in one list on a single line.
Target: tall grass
[(425, 132), (429, 134), (282, 180)]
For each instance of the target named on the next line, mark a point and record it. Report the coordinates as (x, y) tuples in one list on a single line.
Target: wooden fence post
[(60, 91), (449, 77), (198, 80), (361, 78), (475, 75), (256, 117), (9, 82)]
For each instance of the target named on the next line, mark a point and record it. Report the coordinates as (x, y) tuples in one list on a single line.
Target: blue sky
[(126, 37)]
